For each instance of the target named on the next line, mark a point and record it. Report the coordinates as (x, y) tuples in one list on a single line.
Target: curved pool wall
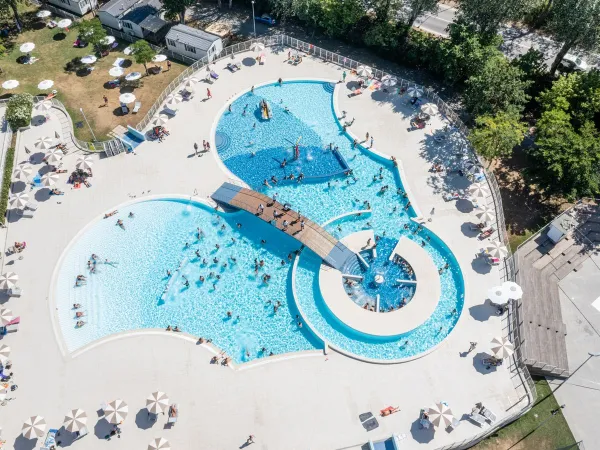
[(128, 294), (307, 101)]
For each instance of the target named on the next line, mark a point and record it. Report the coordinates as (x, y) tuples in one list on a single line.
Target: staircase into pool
[(313, 236)]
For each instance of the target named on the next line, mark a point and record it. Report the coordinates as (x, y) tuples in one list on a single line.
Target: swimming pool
[(135, 292)]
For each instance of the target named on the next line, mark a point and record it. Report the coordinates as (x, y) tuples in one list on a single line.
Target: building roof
[(192, 36), (152, 23), (132, 10)]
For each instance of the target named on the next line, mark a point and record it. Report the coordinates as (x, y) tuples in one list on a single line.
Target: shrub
[(18, 111), (6, 181)]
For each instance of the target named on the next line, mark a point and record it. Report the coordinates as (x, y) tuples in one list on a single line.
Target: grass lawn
[(54, 49), (519, 435)]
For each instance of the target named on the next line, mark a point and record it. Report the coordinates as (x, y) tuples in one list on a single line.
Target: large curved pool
[(133, 290)]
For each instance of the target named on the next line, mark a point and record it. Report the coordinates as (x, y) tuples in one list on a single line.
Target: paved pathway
[(311, 401)]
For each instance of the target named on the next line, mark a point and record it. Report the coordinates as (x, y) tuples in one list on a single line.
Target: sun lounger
[(118, 62), (355, 92), (477, 418), (52, 24), (136, 107), (233, 67), (124, 109), (489, 415), (214, 75), (492, 261), (27, 213), (449, 196), (477, 227), (486, 233), (455, 423), (173, 414), (15, 292)]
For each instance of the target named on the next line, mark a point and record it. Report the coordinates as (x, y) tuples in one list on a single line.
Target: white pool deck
[(415, 313), (311, 401)]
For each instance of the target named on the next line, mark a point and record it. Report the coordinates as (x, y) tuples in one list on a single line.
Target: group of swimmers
[(79, 314)]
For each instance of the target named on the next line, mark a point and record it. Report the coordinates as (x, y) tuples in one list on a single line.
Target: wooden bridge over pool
[(313, 236)]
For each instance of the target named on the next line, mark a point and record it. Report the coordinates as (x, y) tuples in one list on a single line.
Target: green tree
[(92, 31), (489, 15), (340, 15), (385, 10), (142, 52), (575, 23), (19, 110), (415, 8), (177, 8), (499, 86), (13, 6), (496, 136)]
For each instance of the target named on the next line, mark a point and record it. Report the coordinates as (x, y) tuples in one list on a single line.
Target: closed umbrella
[(429, 108), (497, 295), (54, 155), (64, 23), (440, 414), (173, 100), (108, 40), (478, 190), (389, 81), (23, 171), (19, 200), (26, 47), (75, 420), (89, 59), (364, 71), (4, 353), (84, 163), (116, 71), (6, 315), (159, 58), (49, 179), (257, 46), (157, 402), (133, 76), (486, 214), (513, 290), (46, 105), (127, 98), (43, 14), (502, 348), (161, 120), (497, 249), (44, 143), (414, 91), (34, 427), (159, 444), (116, 411), (45, 85), (10, 84)]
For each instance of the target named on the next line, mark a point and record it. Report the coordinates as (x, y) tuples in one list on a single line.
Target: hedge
[(6, 182)]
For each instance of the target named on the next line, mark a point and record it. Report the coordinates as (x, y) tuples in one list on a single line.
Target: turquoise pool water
[(129, 295)]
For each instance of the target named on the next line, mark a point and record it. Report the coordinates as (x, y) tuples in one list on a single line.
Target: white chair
[(136, 107)]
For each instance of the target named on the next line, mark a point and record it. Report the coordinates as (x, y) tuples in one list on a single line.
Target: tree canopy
[(412, 9), (177, 8), (92, 31), (496, 136), (142, 52), (489, 15)]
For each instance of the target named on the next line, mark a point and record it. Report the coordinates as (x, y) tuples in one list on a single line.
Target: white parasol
[(502, 347), (34, 427), (27, 47), (19, 200), (43, 14), (23, 171), (497, 295), (108, 40), (127, 98), (84, 163), (128, 51), (10, 84), (89, 59), (54, 155), (116, 411), (513, 290), (4, 353), (486, 214), (364, 71), (478, 190), (159, 444), (159, 58), (46, 105), (429, 108), (497, 249), (49, 179), (414, 91), (75, 420), (157, 402), (257, 46), (190, 81), (174, 99), (162, 119), (133, 76), (45, 85), (440, 414), (6, 315), (64, 23), (116, 71), (44, 143)]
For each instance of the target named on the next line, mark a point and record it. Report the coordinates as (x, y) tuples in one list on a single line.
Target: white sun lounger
[(489, 415), (118, 62), (477, 418)]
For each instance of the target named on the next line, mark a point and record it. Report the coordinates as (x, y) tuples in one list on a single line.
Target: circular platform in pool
[(427, 291)]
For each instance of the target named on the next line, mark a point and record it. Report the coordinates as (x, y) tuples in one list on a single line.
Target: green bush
[(6, 181), (19, 109)]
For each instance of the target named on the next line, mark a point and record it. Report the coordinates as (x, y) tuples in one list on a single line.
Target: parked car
[(574, 63), (265, 18)]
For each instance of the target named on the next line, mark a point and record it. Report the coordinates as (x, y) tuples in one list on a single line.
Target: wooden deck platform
[(312, 236)]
